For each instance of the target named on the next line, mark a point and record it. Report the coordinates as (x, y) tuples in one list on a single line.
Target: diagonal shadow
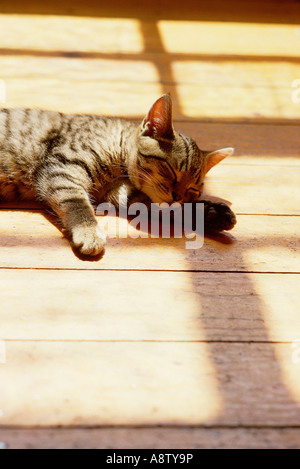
[(220, 351)]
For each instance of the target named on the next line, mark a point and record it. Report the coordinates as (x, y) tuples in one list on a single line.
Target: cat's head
[(169, 167)]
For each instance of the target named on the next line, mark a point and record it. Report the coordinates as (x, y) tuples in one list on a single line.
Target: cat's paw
[(218, 217), (89, 241)]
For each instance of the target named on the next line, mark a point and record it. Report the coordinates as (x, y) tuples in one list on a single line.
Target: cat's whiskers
[(142, 175), (147, 178)]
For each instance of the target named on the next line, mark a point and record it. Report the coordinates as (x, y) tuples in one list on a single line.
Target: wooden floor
[(156, 345)]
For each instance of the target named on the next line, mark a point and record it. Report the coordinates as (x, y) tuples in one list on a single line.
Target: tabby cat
[(67, 161)]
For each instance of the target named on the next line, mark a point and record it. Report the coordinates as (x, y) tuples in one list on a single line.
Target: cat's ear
[(158, 122), (214, 157)]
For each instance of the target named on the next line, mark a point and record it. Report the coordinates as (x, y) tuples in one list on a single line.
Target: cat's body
[(68, 160), (89, 149)]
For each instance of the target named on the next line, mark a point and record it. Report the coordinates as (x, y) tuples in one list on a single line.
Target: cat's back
[(27, 135), (20, 127), (30, 138), (27, 129)]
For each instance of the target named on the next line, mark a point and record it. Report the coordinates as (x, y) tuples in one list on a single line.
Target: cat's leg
[(217, 216), (78, 218), (67, 195)]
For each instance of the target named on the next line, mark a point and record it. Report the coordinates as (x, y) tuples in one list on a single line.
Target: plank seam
[(74, 269), (152, 427), (139, 341)]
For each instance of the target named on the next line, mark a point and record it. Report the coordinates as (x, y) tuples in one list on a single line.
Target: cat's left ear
[(158, 122), (214, 157)]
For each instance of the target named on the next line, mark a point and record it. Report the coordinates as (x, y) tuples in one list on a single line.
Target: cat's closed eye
[(164, 168), (194, 193), (197, 191)]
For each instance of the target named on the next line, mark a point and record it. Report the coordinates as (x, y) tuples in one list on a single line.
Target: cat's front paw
[(218, 217), (89, 241)]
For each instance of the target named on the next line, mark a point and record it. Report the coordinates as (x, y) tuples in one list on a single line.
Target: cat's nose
[(176, 197)]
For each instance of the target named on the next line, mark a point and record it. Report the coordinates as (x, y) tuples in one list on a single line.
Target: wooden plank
[(211, 82), (38, 32), (127, 87), (276, 190), (157, 306), (151, 438), (110, 99), (95, 384), (255, 144), (237, 102), (266, 11), (264, 40), (98, 66), (124, 99), (257, 244), (120, 35), (226, 71)]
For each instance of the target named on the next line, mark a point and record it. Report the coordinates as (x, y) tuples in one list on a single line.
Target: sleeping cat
[(66, 161)]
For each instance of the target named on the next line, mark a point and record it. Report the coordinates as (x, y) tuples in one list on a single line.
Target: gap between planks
[(151, 437), (165, 341), (188, 271)]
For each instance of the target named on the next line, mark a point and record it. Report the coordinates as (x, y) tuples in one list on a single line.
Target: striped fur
[(67, 161)]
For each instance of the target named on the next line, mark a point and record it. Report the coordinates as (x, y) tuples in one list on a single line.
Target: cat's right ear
[(214, 157), (158, 122)]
